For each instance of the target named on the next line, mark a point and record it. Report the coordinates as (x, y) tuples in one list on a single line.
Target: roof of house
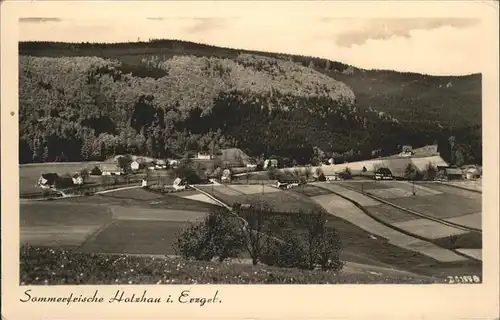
[(233, 154)]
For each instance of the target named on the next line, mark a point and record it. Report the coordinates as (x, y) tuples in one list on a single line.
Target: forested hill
[(161, 98)]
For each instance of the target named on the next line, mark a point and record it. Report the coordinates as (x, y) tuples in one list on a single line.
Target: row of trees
[(299, 240)]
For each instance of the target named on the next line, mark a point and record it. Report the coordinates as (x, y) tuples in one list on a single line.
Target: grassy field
[(470, 240), (278, 200), (390, 214), (60, 224), (132, 236), (145, 199), (440, 206), (126, 221), (439, 201)]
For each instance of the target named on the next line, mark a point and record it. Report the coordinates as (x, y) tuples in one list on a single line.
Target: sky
[(437, 46)]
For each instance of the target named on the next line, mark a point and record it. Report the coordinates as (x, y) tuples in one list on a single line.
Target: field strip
[(58, 235), (252, 189), (358, 197), (473, 220), (474, 253), (131, 213), (436, 250), (96, 233), (212, 197), (201, 198), (478, 189), (118, 189), (421, 215), (428, 229), (342, 208), (409, 186)]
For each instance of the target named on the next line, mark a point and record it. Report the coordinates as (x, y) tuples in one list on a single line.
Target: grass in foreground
[(57, 267)]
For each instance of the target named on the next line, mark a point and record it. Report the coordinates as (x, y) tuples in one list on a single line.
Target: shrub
[(273, 173), (188, 174), (124, 163), (84, 173), (218, 236), (321, 177), (430, 172), (322, 244), (290, 253), (307, 172), (96, 171)]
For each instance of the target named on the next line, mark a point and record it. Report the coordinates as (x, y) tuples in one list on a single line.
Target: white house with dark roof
[(110, 169)]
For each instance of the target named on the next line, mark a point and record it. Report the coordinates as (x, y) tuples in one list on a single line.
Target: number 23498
[(463, 279)]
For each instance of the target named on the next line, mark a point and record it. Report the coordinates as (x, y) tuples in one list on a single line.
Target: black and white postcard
[(235, 159)]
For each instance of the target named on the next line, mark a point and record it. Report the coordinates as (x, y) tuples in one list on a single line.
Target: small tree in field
[(430, 172), (124, 163), (255, 230), (364, 170), (273, 173), (410, 172), (307, 172), (321, 244), (84, 173), (218, 236)]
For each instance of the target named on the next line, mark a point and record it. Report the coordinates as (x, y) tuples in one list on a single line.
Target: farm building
[(110, 168), (161, 164), (135, 165), (449, 173), (472, 173), (270, 163), (427, 151), (333, 177), (407, 151), (288, 182), (203, 156), (77, 179), (151, 165), (179, 184), (226, 176), (48, 180), (173, 162)]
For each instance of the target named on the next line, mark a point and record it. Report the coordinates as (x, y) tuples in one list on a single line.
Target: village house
[(77, 179), (110, 169), (270, 163), (226, 176), (449, 173), (48, 180), (161, 164), (472, 173), (135, 165), (179, 184), (173, 162), (203, 156)]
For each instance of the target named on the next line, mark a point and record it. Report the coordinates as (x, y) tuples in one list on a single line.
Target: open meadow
[(124, 221)]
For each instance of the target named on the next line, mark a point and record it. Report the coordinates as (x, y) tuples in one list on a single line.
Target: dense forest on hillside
[(163, 98)]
